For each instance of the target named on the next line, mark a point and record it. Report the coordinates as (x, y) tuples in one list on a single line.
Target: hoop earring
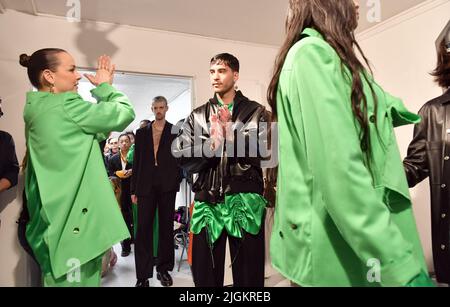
[(52, 88)]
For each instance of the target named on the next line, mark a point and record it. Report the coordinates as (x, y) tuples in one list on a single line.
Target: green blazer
[(74, 215), (333, 222)]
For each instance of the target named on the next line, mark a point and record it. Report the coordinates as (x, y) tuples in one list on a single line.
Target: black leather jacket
[(429, 156), (226, 171)]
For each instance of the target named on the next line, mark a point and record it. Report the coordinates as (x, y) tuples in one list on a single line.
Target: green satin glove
[(421, 280)]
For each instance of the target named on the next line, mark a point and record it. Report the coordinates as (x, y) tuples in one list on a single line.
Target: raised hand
[(105, 71), (224, 115), (216, 132)]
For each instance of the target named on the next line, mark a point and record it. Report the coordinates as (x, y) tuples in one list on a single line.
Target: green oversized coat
[(334, 224), (74, 215)]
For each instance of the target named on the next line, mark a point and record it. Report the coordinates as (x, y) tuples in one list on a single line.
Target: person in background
[(120, 167), (154, 185), (429, 157), (144, 123), (113, 145), (106, 148), (74, 217), (130, 157), (9, 166)]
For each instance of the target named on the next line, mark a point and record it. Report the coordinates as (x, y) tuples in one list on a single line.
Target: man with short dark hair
[(216, 142), (154, 185)]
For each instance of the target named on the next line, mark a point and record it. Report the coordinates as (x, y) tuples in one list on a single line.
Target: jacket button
[(446, 158), (372, 118), (443, 185), (76, 230), (443, 247), (281, 235), (294, 227), (85, 211), (444, 215)]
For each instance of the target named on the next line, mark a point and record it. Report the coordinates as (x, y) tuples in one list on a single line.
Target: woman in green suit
[(343, 211), (74, 216)]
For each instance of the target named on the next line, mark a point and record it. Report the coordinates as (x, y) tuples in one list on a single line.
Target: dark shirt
[(9, 166)]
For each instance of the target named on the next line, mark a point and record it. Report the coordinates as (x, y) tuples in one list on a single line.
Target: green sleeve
[(340, 178), (113, 112)]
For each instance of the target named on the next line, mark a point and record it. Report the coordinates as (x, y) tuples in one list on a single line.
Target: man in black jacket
[(429, 156), (119, 166), (224, 142), (154, 185)]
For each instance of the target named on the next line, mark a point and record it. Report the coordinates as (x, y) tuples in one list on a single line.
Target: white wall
[(134, 50), (403, 53)]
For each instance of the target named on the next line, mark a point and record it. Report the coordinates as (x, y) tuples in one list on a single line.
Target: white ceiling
[(255, 21)]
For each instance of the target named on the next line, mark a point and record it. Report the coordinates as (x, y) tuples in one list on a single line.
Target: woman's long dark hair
[(336, 20)]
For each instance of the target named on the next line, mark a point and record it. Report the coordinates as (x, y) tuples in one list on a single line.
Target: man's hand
[(225, 121), (4, 184), (134, 199), (224, 115), (216, 132), (127, 173)]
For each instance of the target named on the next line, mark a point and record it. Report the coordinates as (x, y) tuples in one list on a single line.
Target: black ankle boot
[(164, 278), (142, 283)]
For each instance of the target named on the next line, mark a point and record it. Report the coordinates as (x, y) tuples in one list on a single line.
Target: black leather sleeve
[(416, 162), (192, 145)]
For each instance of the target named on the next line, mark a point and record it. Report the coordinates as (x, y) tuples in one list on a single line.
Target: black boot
[(126, 248), (164, 278), (142, 283)]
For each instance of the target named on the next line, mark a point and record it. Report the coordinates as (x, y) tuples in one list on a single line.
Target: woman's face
[(124, 143), (66, 76)]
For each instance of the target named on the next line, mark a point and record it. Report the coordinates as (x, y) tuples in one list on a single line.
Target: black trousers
[(127, 213), (143, 245), (247, 256)]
